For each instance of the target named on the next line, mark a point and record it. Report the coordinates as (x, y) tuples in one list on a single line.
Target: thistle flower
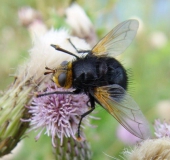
[(80, 24), (153, 148), (58, 114), (150, 149), (28, 77), (162, 129), (31, 19), (27, 15)]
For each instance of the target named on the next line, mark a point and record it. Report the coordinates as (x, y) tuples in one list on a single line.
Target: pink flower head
[(58, 114), (162, 129)]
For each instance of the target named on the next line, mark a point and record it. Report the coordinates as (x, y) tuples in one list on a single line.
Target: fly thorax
[(63, 75)]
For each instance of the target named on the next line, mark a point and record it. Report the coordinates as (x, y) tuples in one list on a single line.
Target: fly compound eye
[(64, 63), (62, 79)]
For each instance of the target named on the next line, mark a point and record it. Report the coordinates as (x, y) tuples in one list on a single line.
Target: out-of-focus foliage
[(148, 61)]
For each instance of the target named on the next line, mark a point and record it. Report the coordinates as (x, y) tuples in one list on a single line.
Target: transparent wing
[(125, 110), (117, 40)]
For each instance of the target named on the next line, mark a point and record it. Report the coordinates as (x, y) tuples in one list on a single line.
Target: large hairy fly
[(103, 78)]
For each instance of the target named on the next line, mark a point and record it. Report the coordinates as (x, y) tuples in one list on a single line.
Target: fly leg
[(77, 91), (78, 51), (92, 103)]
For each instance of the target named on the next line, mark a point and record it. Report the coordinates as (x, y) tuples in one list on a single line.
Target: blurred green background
[(148, 59)]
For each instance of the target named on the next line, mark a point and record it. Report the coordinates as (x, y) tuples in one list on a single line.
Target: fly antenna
[(58, 48)]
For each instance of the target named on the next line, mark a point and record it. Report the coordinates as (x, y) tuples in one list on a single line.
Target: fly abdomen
[(92, 71), (116, 73)]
